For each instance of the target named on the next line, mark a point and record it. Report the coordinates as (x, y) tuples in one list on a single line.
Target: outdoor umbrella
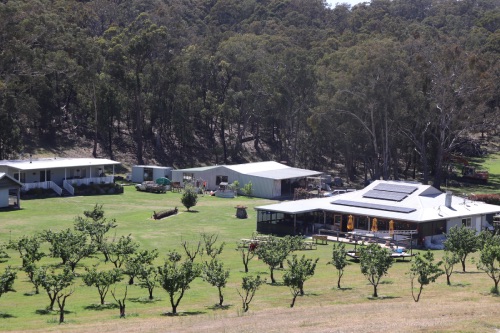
[(350, 223), (163, 181), (374, 225)]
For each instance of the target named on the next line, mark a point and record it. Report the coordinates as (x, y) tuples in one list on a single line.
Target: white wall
[(475, 222)]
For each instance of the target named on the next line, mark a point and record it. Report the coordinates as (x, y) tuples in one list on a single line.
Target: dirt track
[(383, 315)]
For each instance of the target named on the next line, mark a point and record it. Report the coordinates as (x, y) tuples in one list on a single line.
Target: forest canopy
[(385, 89)]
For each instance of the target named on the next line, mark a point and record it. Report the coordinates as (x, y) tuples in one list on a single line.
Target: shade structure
[(163, 181), (374, 225), (350, 223), (391, 228)]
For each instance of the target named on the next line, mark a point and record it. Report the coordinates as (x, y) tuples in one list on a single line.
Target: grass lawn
[(322, 306)]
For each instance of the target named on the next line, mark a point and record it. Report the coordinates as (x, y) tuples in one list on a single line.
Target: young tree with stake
[(375, 261), (175, 277), (339, 260), (489, 260), (425, 271), (462, 241), (249, 285), (214, 273), (450, 259), (297, 273)]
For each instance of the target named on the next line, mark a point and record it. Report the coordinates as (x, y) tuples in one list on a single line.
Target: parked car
[(150, 186)]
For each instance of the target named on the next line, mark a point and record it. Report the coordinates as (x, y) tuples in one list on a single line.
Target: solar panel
[(388, 208), (384, 195), (396, 188)]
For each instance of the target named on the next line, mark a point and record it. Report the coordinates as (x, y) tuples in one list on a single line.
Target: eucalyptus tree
[(367, 84), (449, 77), (132, 52)]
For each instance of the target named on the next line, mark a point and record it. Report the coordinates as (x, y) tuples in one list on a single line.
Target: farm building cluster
[(382, 209), (391, 206)]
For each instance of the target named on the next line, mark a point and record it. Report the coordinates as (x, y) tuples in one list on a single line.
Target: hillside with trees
[(386, 89)]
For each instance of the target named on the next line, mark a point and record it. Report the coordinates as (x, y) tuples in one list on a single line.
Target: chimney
[(447, 200)]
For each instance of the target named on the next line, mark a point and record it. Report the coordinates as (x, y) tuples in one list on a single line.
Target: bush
[(189, 197), (492, 199), (247, 189)]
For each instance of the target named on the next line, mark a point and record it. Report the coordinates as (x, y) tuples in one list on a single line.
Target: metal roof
[(269, 169), (198, 169), (426, 204), (6, 176), (285, 173), (152, 167), (53, 163)]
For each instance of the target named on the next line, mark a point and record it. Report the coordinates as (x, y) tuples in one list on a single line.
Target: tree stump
[(241, 212)]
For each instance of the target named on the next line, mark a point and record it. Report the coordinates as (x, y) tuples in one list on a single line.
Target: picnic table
[(323, 239)]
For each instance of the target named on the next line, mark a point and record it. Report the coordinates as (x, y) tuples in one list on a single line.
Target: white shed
[(9, 187), (141, 173), (269, 179)]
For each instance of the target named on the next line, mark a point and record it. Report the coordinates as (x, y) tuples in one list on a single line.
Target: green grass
[(492, 164), (132, 210)]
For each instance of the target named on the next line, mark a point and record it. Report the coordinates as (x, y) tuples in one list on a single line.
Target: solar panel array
[(396, 188), (390, 192), (384, 195), (388, 208)]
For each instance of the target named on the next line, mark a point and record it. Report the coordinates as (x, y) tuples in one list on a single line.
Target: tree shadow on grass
[(276, 284), (311, 294), (145, 300), (44, 312), (181, 314), (220, 307), (381, 298), (386, 282), (4, 315), (192, 211), (461, 285), (101, 307), (342, 288), (31, 293)]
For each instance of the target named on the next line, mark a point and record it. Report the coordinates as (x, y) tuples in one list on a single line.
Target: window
[(148, 174), (187, 177), (467, 222), (21, 177), (221, 179)]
